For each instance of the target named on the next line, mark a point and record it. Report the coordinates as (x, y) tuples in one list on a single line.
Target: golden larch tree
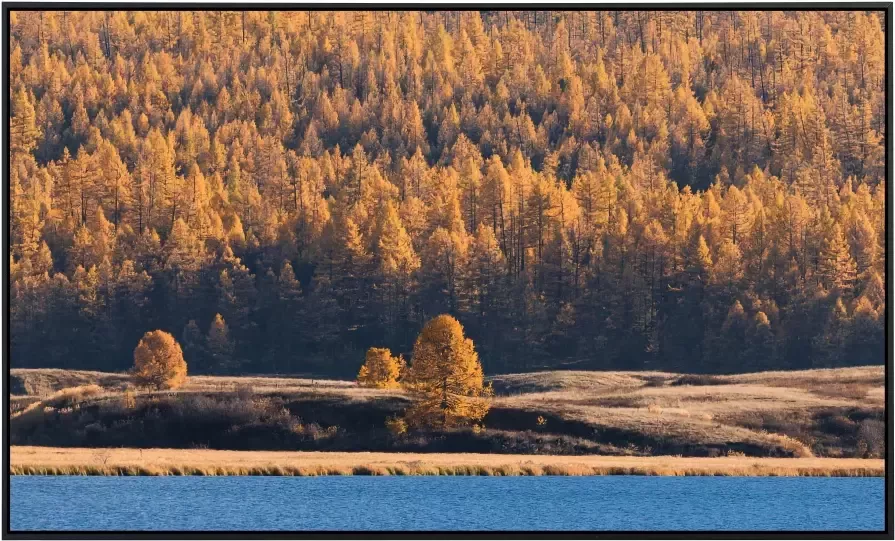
[(381, 369), (446, 377), (220, 345), (158, 362)]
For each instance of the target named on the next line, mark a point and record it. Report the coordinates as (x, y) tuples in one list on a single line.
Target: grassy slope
[(45, 381), (817, 412), (56, 461), (808, 411)]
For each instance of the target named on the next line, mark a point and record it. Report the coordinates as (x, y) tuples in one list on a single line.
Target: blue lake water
[(445, 503)]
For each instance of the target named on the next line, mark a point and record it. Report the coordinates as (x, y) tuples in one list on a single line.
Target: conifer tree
[(446, 377), (220, 346), (380, 369), (158, 362), (23, 128)]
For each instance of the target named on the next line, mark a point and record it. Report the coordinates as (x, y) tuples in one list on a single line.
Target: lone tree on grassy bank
[(158, 362), (446, 377), (381, 369)]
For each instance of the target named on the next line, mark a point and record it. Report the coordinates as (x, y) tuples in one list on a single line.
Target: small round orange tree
[(158, 362), (381, 369)]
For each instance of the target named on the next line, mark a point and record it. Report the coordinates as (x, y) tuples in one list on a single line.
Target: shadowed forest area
[(685, 191)]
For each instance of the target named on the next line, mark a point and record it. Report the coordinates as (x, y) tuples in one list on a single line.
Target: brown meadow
[(833, 413)]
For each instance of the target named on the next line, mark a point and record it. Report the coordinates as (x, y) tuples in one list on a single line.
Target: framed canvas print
[(447, 271)]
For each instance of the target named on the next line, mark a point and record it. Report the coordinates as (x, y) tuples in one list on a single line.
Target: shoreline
[(28, 460)]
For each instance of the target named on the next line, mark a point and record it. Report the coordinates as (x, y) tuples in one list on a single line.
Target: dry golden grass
[(650, 403), (574, 380), (817, 380), (72, 395), (869, 374), (861, 383), (44, 381), (64, 399), (81, 461), (745, 410)]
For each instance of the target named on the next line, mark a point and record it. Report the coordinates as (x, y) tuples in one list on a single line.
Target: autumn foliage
[(446, 377), (380, 369), (695, 191), (158, 362)]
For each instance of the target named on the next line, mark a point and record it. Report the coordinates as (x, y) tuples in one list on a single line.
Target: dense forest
[(691, 191)]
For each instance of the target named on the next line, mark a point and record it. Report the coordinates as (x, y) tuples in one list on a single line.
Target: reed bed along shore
[(206, 462)]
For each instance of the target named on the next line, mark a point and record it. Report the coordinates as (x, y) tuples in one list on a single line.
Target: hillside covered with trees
[(692, 191)]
